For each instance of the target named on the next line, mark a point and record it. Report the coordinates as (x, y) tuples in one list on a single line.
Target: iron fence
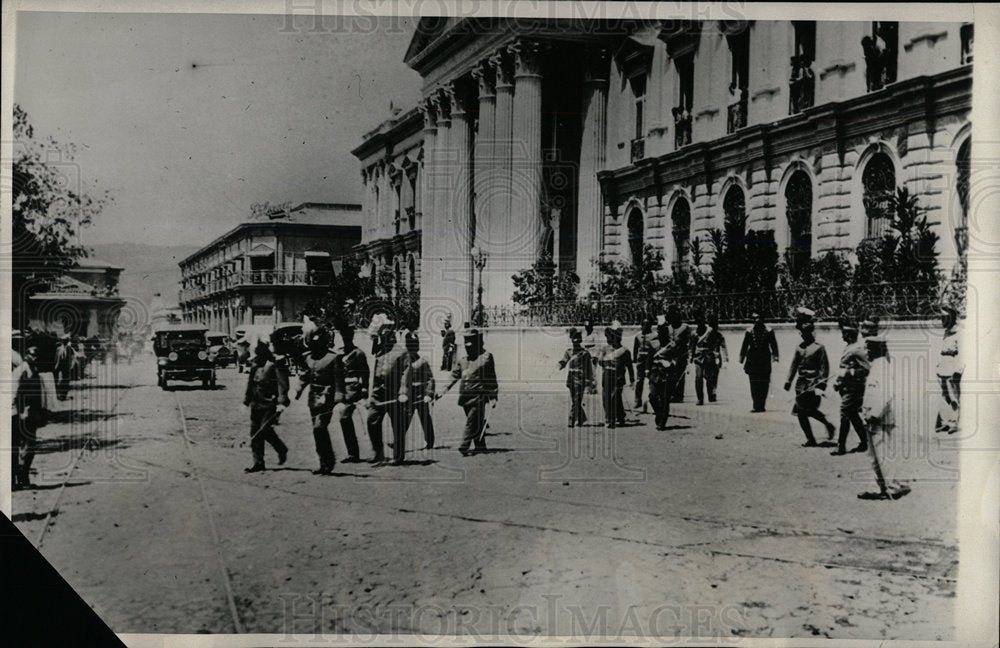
[(917, 300)]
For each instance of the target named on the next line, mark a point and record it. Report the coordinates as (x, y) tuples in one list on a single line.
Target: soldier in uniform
[(812, 367), (758, 352), (324, 380), (355, 374), (682, 336), (266, 396), (850, 383), (580, 378), (448, 346), (645, 345), (416, 392), (478, 386), (615, 361), (390, 361), (708, 353)]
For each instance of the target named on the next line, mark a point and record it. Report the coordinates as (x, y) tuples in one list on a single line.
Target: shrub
[(540, 284), (905, 253)]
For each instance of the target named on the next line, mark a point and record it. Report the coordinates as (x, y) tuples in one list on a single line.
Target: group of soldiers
[(340, 381)]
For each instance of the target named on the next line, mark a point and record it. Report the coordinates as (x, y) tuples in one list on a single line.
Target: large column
[(526, 226), (457, 234), (483, 168), (438, 303), (593, 151), (427, 216), (496, 277)]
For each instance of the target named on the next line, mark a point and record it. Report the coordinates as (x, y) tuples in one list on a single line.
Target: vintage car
[(287, 340), (182, 354), (218, 348)]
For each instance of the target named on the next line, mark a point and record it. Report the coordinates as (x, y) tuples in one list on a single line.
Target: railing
[(737, 115), (682, 127), (55, 287), (916, 300), (801, 86), (638, 150), (258, 278)]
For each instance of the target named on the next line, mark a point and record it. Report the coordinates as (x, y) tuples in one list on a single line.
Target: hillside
[(149, 269)]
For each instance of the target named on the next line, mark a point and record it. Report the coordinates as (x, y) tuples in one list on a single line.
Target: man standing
[(708, 354), (661, 377), (949, 373), (850, 382), (27, 415), (448, 346), (266, 396), (580, 378), (615, 361), (355, 373), (477, 388), (812, 367), (758, 351), (390, 362), (877, 409), (416, 391), (65, 356), (643, 348), (682, 338), (324, 380)]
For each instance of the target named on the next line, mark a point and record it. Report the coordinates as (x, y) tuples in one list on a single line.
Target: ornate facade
[(573, 140)]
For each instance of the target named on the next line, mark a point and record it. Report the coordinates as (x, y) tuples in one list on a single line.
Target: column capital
[(429, 112), (529, 57), (596, 64), (442, 105), (503, 67), (459, 97), (485, 76)]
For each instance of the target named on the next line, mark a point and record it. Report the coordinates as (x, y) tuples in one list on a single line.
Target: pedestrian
[(662, 377), (416, 392), (810, 370), (615, 361), (266, 396), (850, 383), (645, 345), (579, 377), (708, 354), (390, 362), (323, 378), (65, 357), (477, 378), (758, 352), (949, 373), (878, 411), (448, 346), (46, 346), (27, 414), (356, 374), (682, 336)]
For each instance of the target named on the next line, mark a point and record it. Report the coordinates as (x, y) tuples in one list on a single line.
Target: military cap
[(472, 334), (575, 334)]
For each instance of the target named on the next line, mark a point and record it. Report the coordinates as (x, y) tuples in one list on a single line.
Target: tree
[(907, 250), (353, 299), (642, 279), (743, 261), (50, 206), (541, 284)]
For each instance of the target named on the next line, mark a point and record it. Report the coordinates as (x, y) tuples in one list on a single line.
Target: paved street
[(721, 526)]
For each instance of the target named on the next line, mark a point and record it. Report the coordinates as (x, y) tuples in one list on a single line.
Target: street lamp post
[(479, 257)]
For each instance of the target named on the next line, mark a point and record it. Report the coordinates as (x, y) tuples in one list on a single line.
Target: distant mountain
[(149, 269)]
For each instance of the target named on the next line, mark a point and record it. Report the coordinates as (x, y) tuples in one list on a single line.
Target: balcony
[(801, 86), (411, 218), (638, 149), (737, 115), (682, 127), (252, 278)]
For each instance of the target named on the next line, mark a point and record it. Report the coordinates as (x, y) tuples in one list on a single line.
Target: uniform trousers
[(576, 414), (23, 439), (640, 380), (660, 391), (475, 424), (346, 417), (321, 436), (375, 416), (611, 391), (423, 412), (706, 377), (262, 418), (760, 384)]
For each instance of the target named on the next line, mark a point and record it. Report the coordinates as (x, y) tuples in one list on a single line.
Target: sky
[(190, 119)]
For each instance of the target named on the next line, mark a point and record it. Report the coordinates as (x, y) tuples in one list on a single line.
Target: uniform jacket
[(706, 349), (418, 379), (325, 380), (644, 347), (616, 362), (448, 336), (267, 385), (758, 350), (388, 373), (682, 337), (581, 368), (811, 364), (356, 375), (478, 378), (854, 364)]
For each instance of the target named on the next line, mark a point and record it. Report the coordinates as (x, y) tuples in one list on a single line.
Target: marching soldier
[(758, 352), (355, 372), (448, 346), (812, 367), (478, 386), (324, 380), (389, 364), (850, 383), (645, 345), (682, 336), (266, 396), (580, 378), (416, 392), (662, 375), (615, 361), (708, 353)]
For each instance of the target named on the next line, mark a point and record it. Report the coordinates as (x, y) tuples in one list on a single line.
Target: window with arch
[(680, 221), (636, 238), (879, 184), (798, 211), (734, 208), (412, 273), (962, 188)]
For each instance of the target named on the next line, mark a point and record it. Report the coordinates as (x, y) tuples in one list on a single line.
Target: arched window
[(680, 220), (798, 210), (879, 183), (636, 239), (412, 274), (734, 207), (962, 188)]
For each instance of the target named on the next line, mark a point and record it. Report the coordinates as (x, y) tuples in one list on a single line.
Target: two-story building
[(580, 139), (84, 301), (265, 270)]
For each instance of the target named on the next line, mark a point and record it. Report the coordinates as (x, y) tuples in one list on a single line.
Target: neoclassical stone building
[(573, 139)]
